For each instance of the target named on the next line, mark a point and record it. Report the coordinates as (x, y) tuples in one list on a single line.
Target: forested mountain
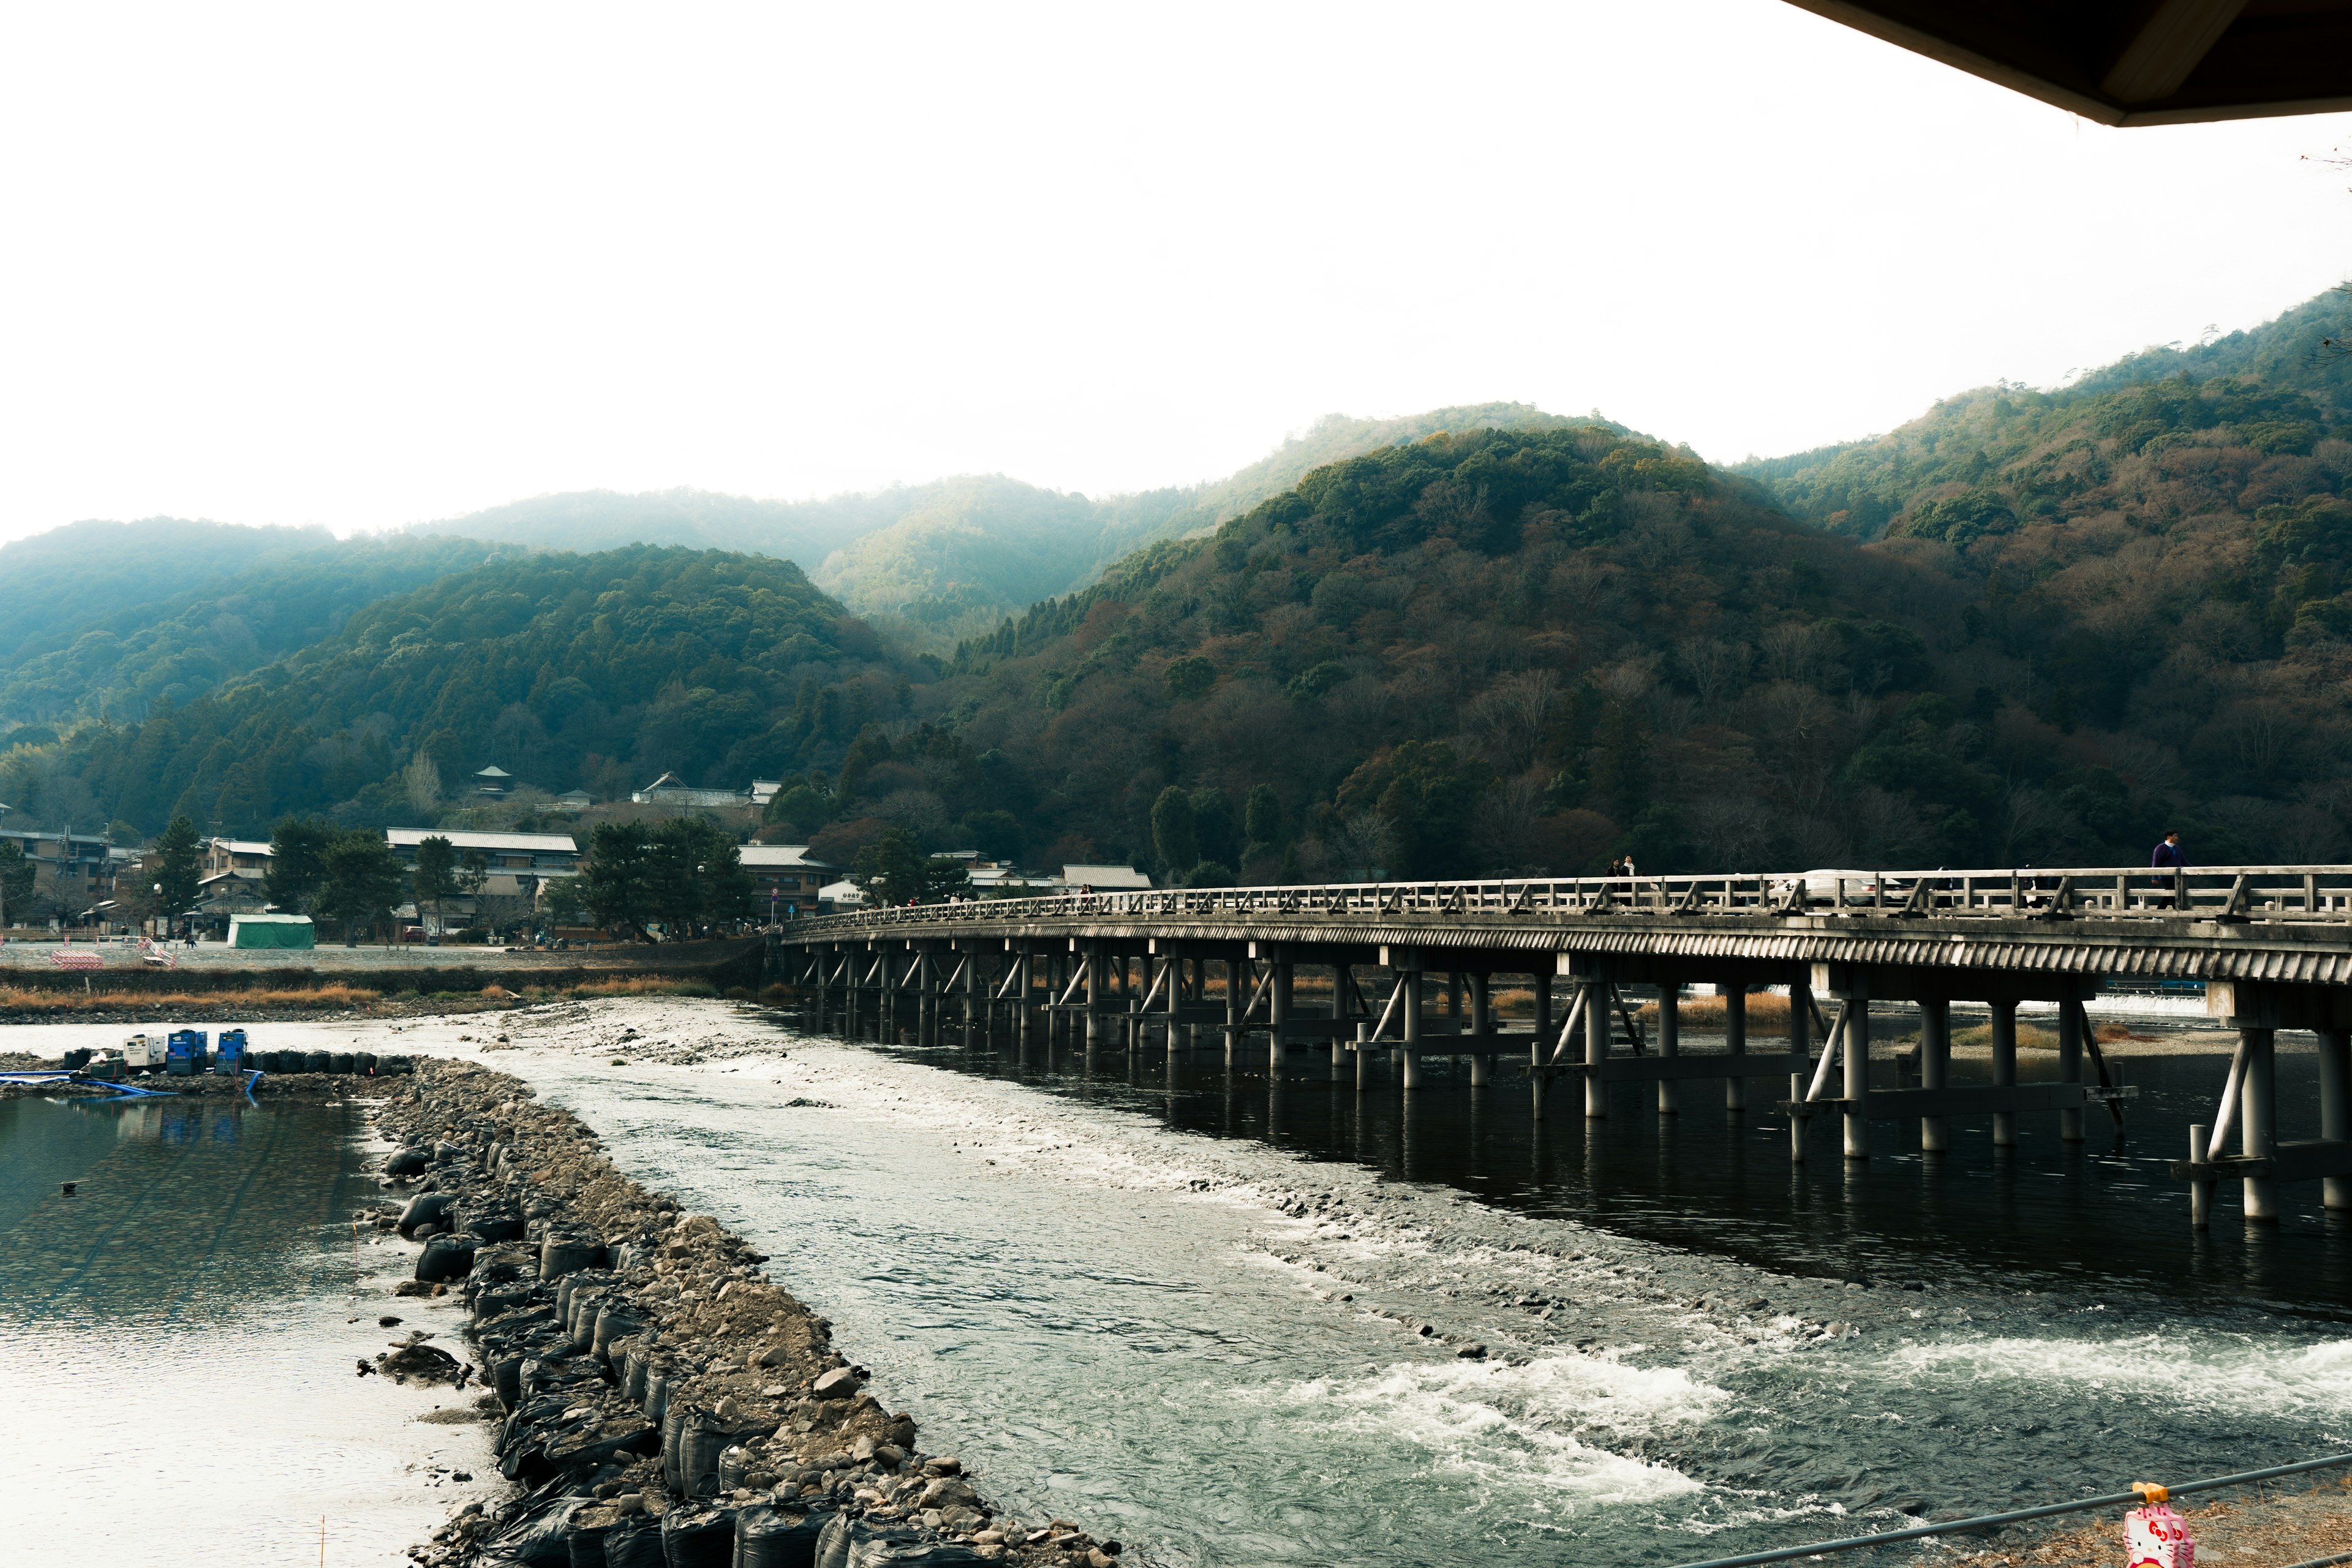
[(118, 660), (63, 579), (940, 560), (2029, 628), (559, 668)]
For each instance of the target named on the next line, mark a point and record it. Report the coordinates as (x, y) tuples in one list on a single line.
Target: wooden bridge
[(2272, 946)]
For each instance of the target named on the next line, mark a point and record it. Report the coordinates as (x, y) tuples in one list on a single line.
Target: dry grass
[(1766, 1012), (646, 986), (333, 996)]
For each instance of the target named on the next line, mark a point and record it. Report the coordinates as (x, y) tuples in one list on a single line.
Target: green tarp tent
[(270, 930)]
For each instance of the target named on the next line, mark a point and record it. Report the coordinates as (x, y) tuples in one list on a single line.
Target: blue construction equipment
[(229, 1059), (184, 1053)]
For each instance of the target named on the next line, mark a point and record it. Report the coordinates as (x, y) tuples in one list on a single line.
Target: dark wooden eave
[(2132, 62)]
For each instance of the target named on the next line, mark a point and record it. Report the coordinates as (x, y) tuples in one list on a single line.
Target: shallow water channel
[(1185, 1306), (176, 1354)]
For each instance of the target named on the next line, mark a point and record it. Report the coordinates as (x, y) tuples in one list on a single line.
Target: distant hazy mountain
[(70, 575), (955, 555)]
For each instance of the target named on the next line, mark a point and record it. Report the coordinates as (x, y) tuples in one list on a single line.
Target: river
[(1185, 1309)]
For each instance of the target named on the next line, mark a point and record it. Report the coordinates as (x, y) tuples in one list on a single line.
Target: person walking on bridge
[(2169, 855)]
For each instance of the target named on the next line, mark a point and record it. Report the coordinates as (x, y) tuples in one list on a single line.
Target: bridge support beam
[(1800, 1051), (1482, 1022), (1735, 1042), (1278, 1014), (1670, 1043), (2258, 1118), (1597, 996), (1935, 1069), (1411, 979), (2004, 1070), (2335, 1107), (2070, 1067)]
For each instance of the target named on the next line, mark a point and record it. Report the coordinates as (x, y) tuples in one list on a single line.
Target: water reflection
[(1725, 1183)]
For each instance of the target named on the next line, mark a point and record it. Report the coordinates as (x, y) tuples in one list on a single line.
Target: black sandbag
[(634, 1544), (405, 1162), (772, 1538), (495, 1224), (77, 1058), (339, 1061), (697, 1538), (363, 1060), (446, 1258), (563, 1254), (427, 1208), (317, 1061), (541, 1536)]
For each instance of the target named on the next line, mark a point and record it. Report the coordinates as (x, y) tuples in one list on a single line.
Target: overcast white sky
[(364, 264)]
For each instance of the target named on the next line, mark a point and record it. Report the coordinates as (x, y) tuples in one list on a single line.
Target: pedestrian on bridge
[(2168, 855)]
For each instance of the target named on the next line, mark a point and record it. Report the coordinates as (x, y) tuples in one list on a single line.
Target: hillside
[(944, 559), (118, 660), (59, 580), (562, 669)]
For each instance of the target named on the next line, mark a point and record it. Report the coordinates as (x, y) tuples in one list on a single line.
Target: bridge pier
[(2335, 1107), (2004, 1070), (1935, 1068), (1670, 1043), (1735, 1044), (1598, 998), (2258, 1118), (2070, 1069), (1801, 1053), (1278, 1014), (1411, 979), (1482, 1023)]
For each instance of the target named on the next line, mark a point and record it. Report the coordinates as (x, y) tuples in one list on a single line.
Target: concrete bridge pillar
[(1482, 1023), (1597, 996), (1670, 1043), (1857, 1047), (1411, 979), (1278, 1014), (2258, 1118), (1935, 1069), (1735, 1042), (2070, 1067), (2335, 1107), (2004, 1070), (1800, 1052)]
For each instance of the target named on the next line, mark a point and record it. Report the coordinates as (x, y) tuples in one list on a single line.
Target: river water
[(178, 1346), (1187, 1307)]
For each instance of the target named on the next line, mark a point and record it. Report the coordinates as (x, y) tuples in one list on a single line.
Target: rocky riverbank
[(660, 1400)]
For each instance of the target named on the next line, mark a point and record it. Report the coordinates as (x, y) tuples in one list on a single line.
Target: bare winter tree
[(1715, 667)]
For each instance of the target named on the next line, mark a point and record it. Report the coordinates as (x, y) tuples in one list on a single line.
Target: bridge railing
[(2301, 893)]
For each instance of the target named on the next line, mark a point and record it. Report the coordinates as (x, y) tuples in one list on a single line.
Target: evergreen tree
[(17, 874), (1175, 833), (297, 863), (363, 881), (616, 881), (178, 867), (436, 877)]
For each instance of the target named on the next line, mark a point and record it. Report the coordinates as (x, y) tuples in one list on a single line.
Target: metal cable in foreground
[(2020, 1516), (2325, 1561)]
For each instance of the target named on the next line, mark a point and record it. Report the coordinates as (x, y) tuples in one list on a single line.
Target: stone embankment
[(660, 1401)]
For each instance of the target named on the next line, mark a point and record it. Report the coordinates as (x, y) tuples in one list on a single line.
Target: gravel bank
[(661, 1401)]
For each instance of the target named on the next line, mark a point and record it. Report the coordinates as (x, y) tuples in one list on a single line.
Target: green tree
[(17, 874), (436, 877), (616, 880), (802, 808), (697, 875), (562, 902), (891, 869), (1189, 677), (1175, 832), (1428, 794), (297, 863), (178, 867), (1262, 822), (364, 882), (945, 878)]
